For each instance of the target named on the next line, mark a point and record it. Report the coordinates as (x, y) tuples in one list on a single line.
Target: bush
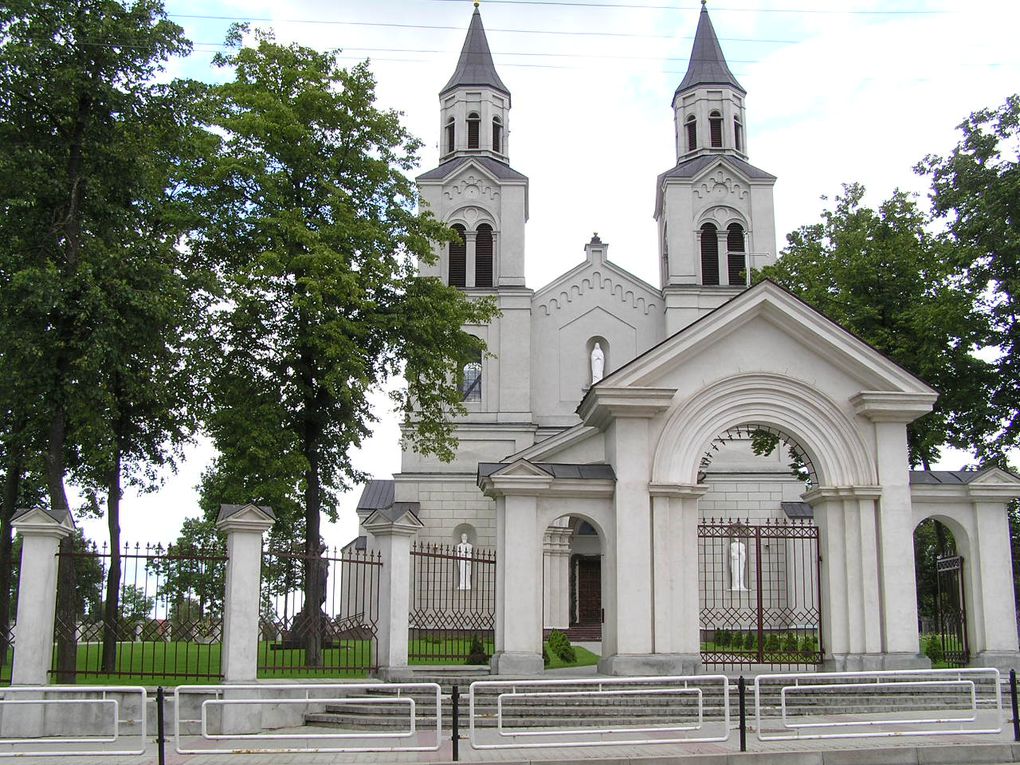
[(545, 656), (809, 644), (790, 643), (772, 642), (477, 654), (723, 638), (751, 641), (933, 649), (560, 646)]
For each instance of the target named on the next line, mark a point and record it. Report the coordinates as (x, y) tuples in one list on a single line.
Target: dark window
[(735, 253), (715, 129), (692, 134), (450, 135), (458, 259), (472, 124), (497, 135), (709, 254), (738, 135), (471, 382), (483, 256)]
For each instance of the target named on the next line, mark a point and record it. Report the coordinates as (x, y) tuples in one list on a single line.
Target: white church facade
[(606, 454)]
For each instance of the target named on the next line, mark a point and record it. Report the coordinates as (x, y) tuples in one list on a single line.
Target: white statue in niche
[(463, 553), (738, 561), (598, 363)]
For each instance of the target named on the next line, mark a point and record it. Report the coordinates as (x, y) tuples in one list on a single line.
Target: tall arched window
[(735, 254), (483, 256), (458, 259), (709, 254), (738, 134), (473, 122), (692, 133), (715, 129), (497, 135), (450, 135), (471, 380)]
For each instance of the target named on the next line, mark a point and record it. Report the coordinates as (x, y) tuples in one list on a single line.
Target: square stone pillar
[(991, 566), (244, 526), (393, 528), (41, 532)]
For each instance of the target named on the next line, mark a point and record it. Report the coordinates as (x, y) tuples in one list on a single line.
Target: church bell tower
[(714, 210)]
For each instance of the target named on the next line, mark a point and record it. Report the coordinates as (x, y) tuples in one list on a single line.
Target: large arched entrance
[(941, 596), (572, 569)]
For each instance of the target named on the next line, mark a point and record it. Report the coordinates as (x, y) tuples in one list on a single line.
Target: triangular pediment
[(994, 476), (595, 275), (398, 515), (38, 516), (246, 513), (561, 447), (518, 469), (774, 315)]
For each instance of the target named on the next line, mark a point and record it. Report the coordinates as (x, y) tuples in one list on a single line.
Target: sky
[(837, 91)]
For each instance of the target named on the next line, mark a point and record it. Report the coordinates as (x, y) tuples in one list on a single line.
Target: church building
[(656, 466)]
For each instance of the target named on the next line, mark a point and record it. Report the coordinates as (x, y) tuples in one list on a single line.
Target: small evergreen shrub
[(559, 644), (477, 654), (545, 656), (933, 649), (751, 641), (790, 643), (772, 642), (809, 644), (723, 638)]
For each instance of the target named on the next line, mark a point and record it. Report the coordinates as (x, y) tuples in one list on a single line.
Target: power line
[(688, 9)]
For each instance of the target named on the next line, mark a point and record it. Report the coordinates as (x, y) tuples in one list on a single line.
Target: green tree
[(99, 299), (880, 274), (310, 212), (976, 191)]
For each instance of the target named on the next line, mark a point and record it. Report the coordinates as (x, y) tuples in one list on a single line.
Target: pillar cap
[(400, 518), (892, 406), (40, 521), (245, 518)]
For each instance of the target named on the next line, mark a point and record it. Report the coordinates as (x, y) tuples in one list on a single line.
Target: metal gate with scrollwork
[(951, 611), (759, 592)]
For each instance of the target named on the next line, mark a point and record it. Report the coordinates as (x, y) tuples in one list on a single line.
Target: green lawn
[(585, 658)]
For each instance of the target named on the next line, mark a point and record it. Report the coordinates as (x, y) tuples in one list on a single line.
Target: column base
[(872, 662), (1003, 661), (396, 674), (517, 663), (631, 664), (237, 719)]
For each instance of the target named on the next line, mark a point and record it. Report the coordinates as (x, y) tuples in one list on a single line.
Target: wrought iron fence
[(341, 635), (9, 581), (950, 635), (759, 590), (453, 603), (168, 622)]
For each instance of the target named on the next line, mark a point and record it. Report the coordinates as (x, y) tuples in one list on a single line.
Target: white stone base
[(872, 662), (651, 664), (396, 674), (517, 663), (1003, 661)]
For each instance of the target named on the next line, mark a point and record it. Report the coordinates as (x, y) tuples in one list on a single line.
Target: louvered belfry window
[(735, 253), (458, 259), (450, 135), (483, 256), (709, 254), (472, 126), (692, 134), (497, 135), (715, 129), (738, 135)]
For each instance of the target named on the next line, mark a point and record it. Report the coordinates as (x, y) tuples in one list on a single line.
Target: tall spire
[(475, 67), (707, 65)]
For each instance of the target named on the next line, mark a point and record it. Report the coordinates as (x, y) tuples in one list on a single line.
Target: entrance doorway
[(573, 579), (941, 607), (586, 592)]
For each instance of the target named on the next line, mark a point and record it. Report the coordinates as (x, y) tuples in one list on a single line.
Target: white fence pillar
[(244, 526), (393, 528)]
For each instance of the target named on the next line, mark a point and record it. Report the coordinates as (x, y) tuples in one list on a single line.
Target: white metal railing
[(972, 711), (309, 695), (29, 729), (573, 691)]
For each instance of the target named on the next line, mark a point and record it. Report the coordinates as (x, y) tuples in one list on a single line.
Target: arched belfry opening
[(758, 559)]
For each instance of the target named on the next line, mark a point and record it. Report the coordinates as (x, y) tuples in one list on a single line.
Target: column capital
[(892, 406), (252, 518), (603, 404), (825, 493), (41, 522), (677, 490)]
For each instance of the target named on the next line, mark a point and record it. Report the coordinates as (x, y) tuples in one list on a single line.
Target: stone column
[(41, 532), (393, 529), (890, 412), (991, 567), (244, 526), (556, 610)]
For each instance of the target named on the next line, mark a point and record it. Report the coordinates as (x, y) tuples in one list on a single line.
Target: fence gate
[(951, 612), (759, 589), (453, 603)]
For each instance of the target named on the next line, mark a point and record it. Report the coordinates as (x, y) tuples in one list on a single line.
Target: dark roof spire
[(708, 65), (475, 66)]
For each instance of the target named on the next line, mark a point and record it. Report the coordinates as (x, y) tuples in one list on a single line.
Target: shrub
[(751, 641), (809, 644), (933, 649), (545, 656), (772, 642), (722, 638), (559, 644), (477, 654), (790, 643)]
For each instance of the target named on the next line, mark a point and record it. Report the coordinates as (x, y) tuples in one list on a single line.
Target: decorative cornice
[(250, 518), (604, 404), (43, 523), (892, 406), (824, 493), (677, 490)]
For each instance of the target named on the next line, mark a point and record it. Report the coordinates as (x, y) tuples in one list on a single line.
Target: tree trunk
[(67, 590), (10, 502), (111, 604), (313, 561)]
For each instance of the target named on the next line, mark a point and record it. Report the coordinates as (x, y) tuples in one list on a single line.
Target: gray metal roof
[(501, 170), (797, 509), (377, 494), (398, 509), (707, 65), (691, 167), (944, 477), (58, 515), (226, 511), (556, 470), (475, 66)]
